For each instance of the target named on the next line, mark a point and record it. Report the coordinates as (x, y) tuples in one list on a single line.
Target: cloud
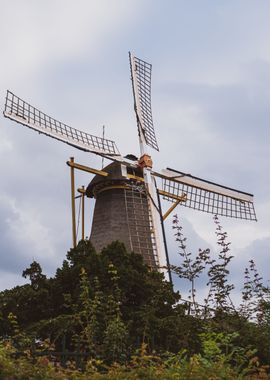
[(9, 280), (5, 146), (221, 133), (38, 35), (23, 237), (258, 251)]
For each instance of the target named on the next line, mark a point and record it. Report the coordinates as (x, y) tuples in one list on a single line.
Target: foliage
[(220, 289), (217, 270), (103, 304), (107, 316), (190, 268), (211, 364), (250, 321), (34, 272)]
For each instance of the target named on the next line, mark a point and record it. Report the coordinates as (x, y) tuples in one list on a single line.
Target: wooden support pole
[(83, 196), (72, 178)]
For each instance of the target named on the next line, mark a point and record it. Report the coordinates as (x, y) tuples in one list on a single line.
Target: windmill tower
[(128, 190), (122, 212)]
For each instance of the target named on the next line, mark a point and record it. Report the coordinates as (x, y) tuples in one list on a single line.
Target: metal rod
[(164, 237), (72, 178)]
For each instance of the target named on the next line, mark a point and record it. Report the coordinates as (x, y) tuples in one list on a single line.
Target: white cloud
[(37, 35), (8, 280), (27, 227), (25, 237), (5, 144)]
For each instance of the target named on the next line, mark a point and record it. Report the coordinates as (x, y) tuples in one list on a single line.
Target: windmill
[(127, 191)]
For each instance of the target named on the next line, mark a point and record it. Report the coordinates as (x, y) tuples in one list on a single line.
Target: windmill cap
[(115, 176)]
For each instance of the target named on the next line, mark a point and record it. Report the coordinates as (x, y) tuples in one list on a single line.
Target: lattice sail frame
[(141, 80), (207, 196), (23, 113)]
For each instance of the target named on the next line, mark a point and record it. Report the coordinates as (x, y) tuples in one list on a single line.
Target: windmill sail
[(141, 81), (23, 113), (206, 196)]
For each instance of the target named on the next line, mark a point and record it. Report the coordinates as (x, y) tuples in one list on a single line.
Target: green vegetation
[(106, 316)]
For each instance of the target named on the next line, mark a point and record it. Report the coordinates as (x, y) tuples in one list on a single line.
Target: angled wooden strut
[(183, 198)]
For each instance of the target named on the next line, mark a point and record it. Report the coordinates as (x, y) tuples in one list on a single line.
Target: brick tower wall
[(122, 214), (110, 220)]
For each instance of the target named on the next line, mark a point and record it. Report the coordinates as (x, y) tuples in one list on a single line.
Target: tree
[(34, 272)]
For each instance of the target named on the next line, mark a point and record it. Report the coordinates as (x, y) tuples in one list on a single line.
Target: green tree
[(34, 272)]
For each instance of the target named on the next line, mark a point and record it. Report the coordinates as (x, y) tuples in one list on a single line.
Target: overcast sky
[(211, 109)]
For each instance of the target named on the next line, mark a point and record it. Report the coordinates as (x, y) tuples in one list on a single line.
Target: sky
[(210, 101)]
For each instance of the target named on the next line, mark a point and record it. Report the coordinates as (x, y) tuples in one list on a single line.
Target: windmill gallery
[(127, 191)]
